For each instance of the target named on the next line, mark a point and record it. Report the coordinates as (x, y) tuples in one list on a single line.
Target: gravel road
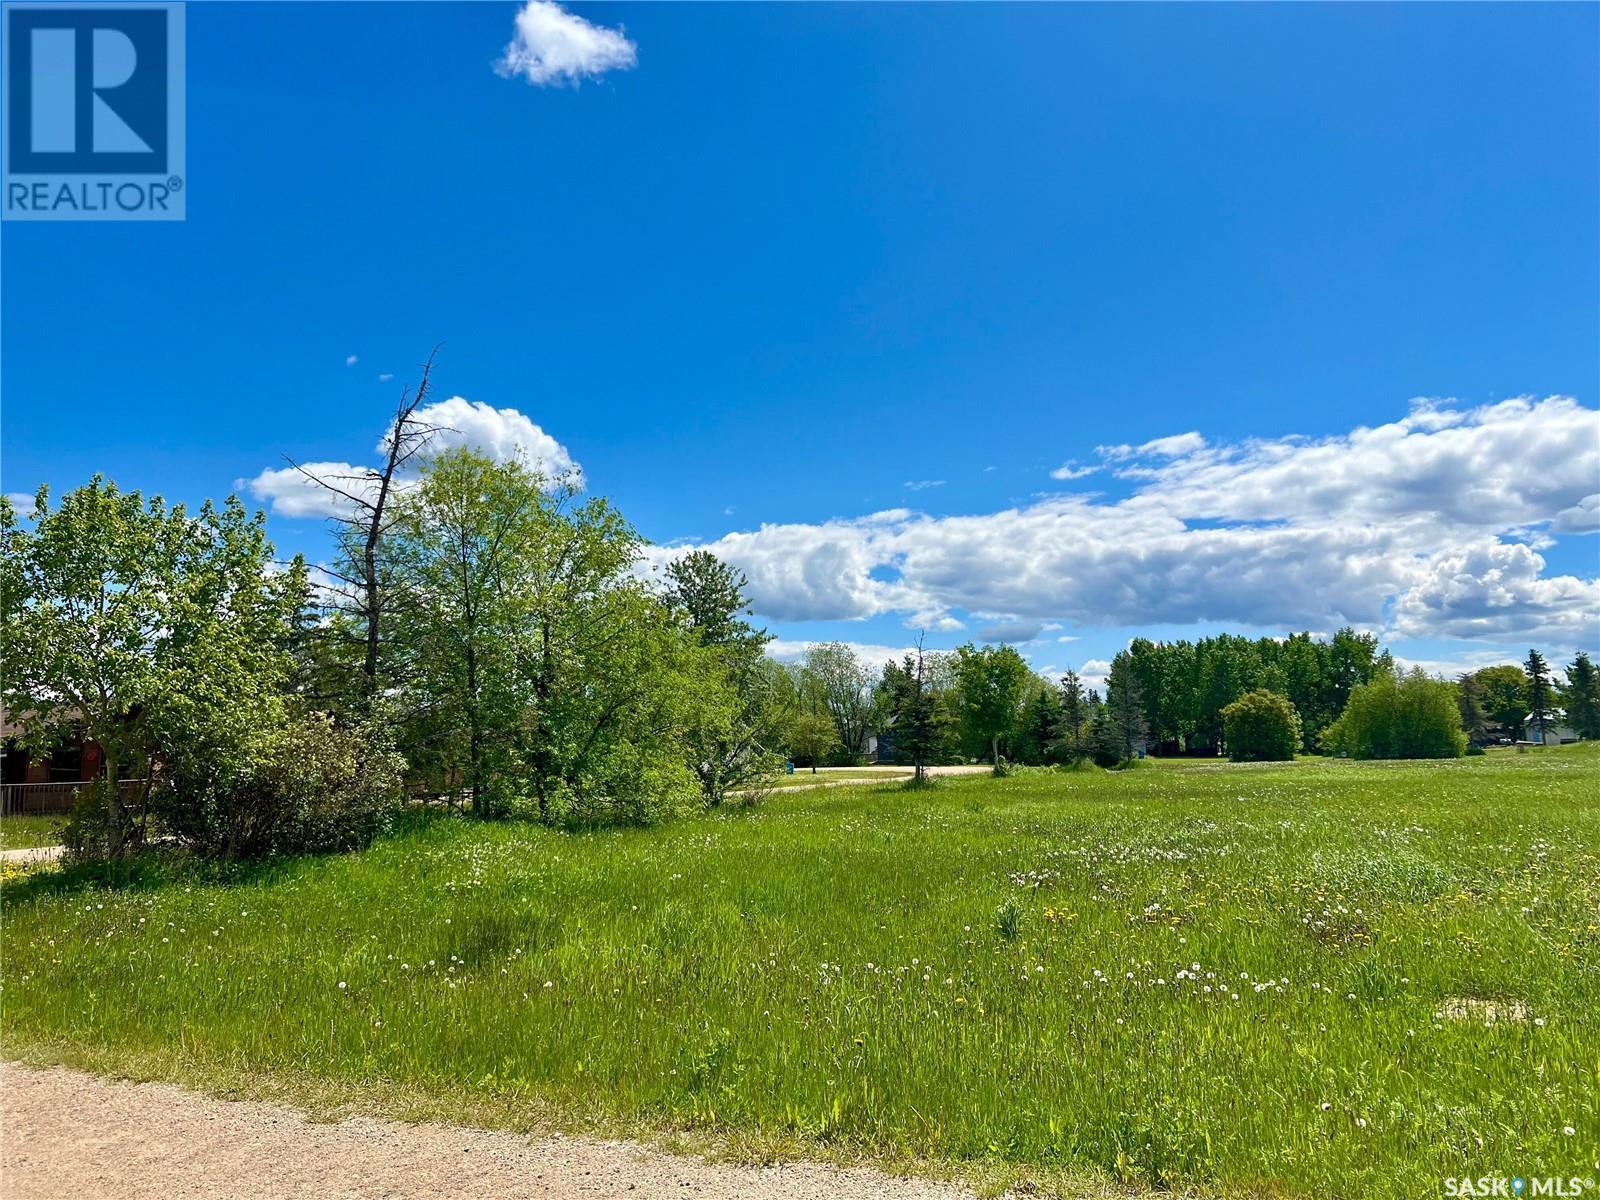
[(70, 1136)]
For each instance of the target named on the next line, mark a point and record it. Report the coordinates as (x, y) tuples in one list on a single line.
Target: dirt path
[(70, 1136), (859, 778), (31, 854)]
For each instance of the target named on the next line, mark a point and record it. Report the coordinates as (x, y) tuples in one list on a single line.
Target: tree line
[(484, 633), (1251, 699)]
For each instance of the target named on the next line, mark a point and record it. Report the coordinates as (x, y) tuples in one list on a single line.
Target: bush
[(1410, 716), (305, 786), (1261, 726)]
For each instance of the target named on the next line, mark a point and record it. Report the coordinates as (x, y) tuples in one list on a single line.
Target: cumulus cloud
[(922, 485), (552, 46), (1419, 527), (1496, 591), (502, 434), (351, 360), (22, 502)]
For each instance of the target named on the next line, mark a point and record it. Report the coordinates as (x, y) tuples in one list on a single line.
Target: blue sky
[(793, 258)]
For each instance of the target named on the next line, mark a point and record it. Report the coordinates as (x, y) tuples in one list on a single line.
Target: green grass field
[(19, 833), (1239, 980)]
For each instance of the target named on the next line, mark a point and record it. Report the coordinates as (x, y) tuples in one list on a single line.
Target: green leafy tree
[(1261, 726), (458, 553), (812, 735), (1583, 696), (991, 683), (1306, 684), (149, 629), (1502, 690), (844, 687), (736, 742), (1399, 716)]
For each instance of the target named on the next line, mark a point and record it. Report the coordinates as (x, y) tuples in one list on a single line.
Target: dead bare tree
[(364, 510)]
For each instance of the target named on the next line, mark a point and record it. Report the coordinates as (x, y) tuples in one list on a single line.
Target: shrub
[(1410, 716), (1261, 726), (306, 785)]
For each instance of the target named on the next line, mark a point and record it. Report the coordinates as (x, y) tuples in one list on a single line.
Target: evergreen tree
[(710, 595), (1469, 699), (918, 735), (1076, 714), (1537, 672), (1126, 706), (1583, 696)]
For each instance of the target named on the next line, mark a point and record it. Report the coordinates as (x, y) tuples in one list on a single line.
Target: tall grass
[(1243, 978)]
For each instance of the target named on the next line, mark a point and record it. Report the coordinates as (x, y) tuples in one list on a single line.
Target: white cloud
[(1496, 591), (552, 46), (22, 502), (874, 656), (502, 434), (293, 493), (1071, 470), (1582, 517), (1456, 664), (920, 485), (385, 377), (351, 360), (1417, 526), (1161, 447), (1092, 674)]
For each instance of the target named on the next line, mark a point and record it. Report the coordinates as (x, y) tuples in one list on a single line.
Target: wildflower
[(549, 983), (342, 985), (1568, 1130)]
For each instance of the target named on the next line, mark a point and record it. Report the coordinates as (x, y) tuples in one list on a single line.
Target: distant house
[(43, 780), (1555, 731)]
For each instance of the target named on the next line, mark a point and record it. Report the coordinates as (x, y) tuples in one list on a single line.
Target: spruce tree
[(1538, 691), (1583, 696)]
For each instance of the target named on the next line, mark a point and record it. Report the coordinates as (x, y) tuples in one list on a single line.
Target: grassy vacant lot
[(1247, 980), (19, 833)]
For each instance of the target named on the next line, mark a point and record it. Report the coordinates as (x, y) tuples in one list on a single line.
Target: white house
[(1555, 731)]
